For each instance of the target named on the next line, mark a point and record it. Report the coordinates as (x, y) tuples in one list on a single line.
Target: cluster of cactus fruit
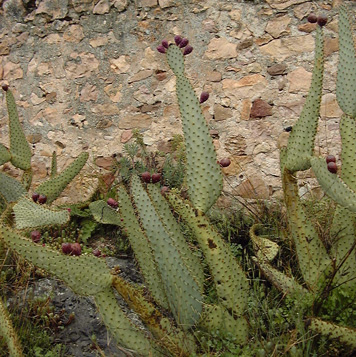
[(173, 273), (327, 272)]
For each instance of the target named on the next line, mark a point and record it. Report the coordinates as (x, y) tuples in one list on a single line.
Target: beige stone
[(235, 14), (82, 5), (166, 3), (4, 47), (284, 4), (89, 93), (120, 5), (44, 69), (106, 163), (287, 47), (299, 80), (140, 121), (235, 144), (221, 113), (35, 100), (221, 48), (53, 38), (148, 3), (49, 115), (261, 148), (12, 71), (88, 65), (126, 136), (74, 34), (102, 7), (253, 187), (307, 27), (141, 76), (329, 107), (57, 9), (106, 109), (283, 140), (114, 93), (303, 10), (331, 45), (119, 65), (278, 26), (98, 42), (245, 109), (237, 164), (104, 123)]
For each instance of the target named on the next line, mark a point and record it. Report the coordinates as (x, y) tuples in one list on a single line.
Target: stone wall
[(85, 73)]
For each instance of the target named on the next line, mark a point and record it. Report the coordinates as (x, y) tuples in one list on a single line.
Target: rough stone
[(307, 27), (299, 80), (277, 69), (148, 3), (214, 76), (98, 42), (286, 47), (245, 109), (84, 68), (56, 9), (12, 71), (82, 5), (106, 109), (166, 3), (236, 145), (221, 113), (106, 163), (253, 188), (102, 7), (303, 10), (126, 136), (140, 76), (120, 5), (74, 34), (139, 121), (283, 140), (283, 4), (260, 109), (221, 48), (329, 107), (89, 93), (119, 65), (331, 45), (279, 26)]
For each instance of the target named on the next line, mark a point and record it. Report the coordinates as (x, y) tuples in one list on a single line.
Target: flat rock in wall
[(283, 4)]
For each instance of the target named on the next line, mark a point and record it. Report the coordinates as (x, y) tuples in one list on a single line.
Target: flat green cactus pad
[(265, 248), (346, 70), (29, 214), (8, 333), (85, 275), (175, 59), (301, 141), (5, 155), (53, 187), (10, 188), (104, 214), (19, 147)]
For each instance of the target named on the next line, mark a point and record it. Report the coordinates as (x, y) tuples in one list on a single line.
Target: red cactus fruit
[(332, 167), (204, 96), (161, 49), (312, 18), (322, 20), (35, 196), (330, 158), (97, 252), (36, 236), (165, 43), (146, 177), (5, 87), (187, 50), (225, 162), (156, 178), (112, 203), (42, 199), (66, 248), (76, 249), (184, 42), (177, 39), (69, 210)]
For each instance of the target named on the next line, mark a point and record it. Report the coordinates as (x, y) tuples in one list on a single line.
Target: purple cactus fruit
[(332, 167), (183, 43), (69, 210), (42, 199), (76, 249), (225, 162), (165, 44), (177, 39), (97, 252), (66, 248), (146, 177), (35, 196), (161, 49), (5, 87), (36, 236), (322, 20), (156, 178), (330, 158), (112, 203), (188, 50), (204, 96), (312, 18)]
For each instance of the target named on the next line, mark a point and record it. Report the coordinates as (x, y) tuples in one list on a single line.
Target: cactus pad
[(5, 155), (265, 248), (10, 188), (104, 214)]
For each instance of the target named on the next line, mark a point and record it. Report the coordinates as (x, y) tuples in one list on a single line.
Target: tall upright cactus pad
[(183, 293), (29, 214), (346, 70), (19, 147), (301, 141), (230, 280), (204, 178), (10, 189), (53, 187), (8, 333), (5, 155)]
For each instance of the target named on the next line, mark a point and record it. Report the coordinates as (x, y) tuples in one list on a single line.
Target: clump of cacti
[(325, 271)]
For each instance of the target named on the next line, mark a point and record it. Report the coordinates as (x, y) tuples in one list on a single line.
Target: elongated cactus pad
[(8, 333), (313, 259), (230, 280), (104, 214), (183, 292), (10, 188), (204, 178), (265, 248), (343, 334), (54, 164), (5, 155), (29, 214), (333, 186), (217, 318), (301, 141), (346, 70), (85, 275), (142, 249), (53, 187), (19, 147)]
